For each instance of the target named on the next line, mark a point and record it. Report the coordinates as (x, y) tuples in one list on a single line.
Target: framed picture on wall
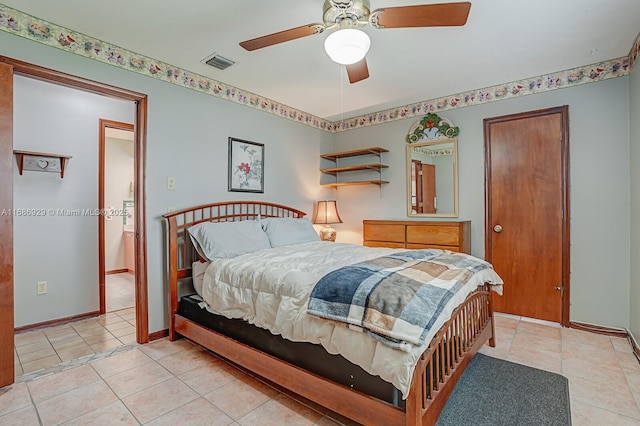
[(246, 166)]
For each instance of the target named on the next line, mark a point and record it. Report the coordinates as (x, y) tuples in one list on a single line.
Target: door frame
[(564, 148), (140, 128), (7, 370), (102, 268)]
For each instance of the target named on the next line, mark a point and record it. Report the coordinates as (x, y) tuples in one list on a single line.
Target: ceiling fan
[(348, 45)]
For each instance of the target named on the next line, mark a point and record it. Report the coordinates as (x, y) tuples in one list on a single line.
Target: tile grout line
[(33, 404), (114, 392)]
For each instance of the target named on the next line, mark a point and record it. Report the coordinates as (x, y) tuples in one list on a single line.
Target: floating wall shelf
[(41, 162), (335, 171), (359, 182)]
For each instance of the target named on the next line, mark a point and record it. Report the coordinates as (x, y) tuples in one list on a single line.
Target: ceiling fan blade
[(426, 15), (282, 36), (358, 71)]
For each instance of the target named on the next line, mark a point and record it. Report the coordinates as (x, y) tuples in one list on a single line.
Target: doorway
[(8, 68), (116, 228), (527, 212), (423, 182)]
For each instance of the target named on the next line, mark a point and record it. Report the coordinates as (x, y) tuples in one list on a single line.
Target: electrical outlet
[(41, 287), (171, 209), (171, 182)]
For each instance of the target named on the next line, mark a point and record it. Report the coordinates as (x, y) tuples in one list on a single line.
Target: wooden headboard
[(181, 253)]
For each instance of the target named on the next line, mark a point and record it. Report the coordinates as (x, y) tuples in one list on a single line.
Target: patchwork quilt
[(395, 298)]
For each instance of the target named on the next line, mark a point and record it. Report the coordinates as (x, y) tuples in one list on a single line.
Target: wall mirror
[(432, 167), (432, 178)]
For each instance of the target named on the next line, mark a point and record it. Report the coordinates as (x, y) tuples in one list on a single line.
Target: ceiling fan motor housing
[(346, 14)]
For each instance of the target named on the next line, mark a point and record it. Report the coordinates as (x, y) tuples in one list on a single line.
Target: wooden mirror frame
[(410, 167)]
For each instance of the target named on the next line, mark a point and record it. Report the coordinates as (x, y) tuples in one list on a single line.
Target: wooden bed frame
[(436, 373)]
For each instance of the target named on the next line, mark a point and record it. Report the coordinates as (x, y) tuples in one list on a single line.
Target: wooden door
[(6, 225), (428, 188), (416, 189), (527, 212)]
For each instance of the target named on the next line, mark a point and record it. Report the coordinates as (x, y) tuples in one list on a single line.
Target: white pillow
[(285, 231), (228, 239)]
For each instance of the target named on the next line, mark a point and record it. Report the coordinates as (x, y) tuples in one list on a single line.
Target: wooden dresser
[(450, 235)]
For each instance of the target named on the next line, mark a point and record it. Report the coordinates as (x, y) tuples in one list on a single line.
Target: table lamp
[(326, 214)]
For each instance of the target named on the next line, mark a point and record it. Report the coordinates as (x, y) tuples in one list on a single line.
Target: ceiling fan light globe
[(347, 46)]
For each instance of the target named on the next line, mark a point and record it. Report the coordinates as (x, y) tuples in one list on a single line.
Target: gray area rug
[(494, 392)]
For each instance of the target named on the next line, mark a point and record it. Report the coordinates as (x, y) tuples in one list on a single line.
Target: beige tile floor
[(120, 291), (166, 383), (39, 349)]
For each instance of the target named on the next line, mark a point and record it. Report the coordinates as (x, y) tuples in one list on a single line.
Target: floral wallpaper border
[(574, 77), (15, 22), (21, 24)]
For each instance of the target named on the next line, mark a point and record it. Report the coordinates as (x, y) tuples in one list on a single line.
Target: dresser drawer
[(383, 244), (387, 233), (434, 235), (433, 246)]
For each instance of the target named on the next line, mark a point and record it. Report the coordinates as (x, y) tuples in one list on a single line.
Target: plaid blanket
[(394, 298)]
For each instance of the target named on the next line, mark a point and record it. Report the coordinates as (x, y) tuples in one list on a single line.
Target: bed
[(317, 370)]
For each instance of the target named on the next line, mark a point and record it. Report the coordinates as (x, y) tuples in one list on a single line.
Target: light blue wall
[(634, 125), (599, 151), (187, 139)]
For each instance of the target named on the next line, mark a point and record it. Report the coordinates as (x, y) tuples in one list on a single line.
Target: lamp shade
[(347, 46), (327, 212)]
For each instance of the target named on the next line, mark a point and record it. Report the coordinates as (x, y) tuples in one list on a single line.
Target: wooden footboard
[(435, 376), (442, 364)]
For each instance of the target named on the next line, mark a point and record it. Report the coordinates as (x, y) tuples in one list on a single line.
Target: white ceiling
[(503, 41)]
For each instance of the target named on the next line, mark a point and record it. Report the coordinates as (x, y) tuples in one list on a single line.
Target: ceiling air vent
[(218, 61)]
